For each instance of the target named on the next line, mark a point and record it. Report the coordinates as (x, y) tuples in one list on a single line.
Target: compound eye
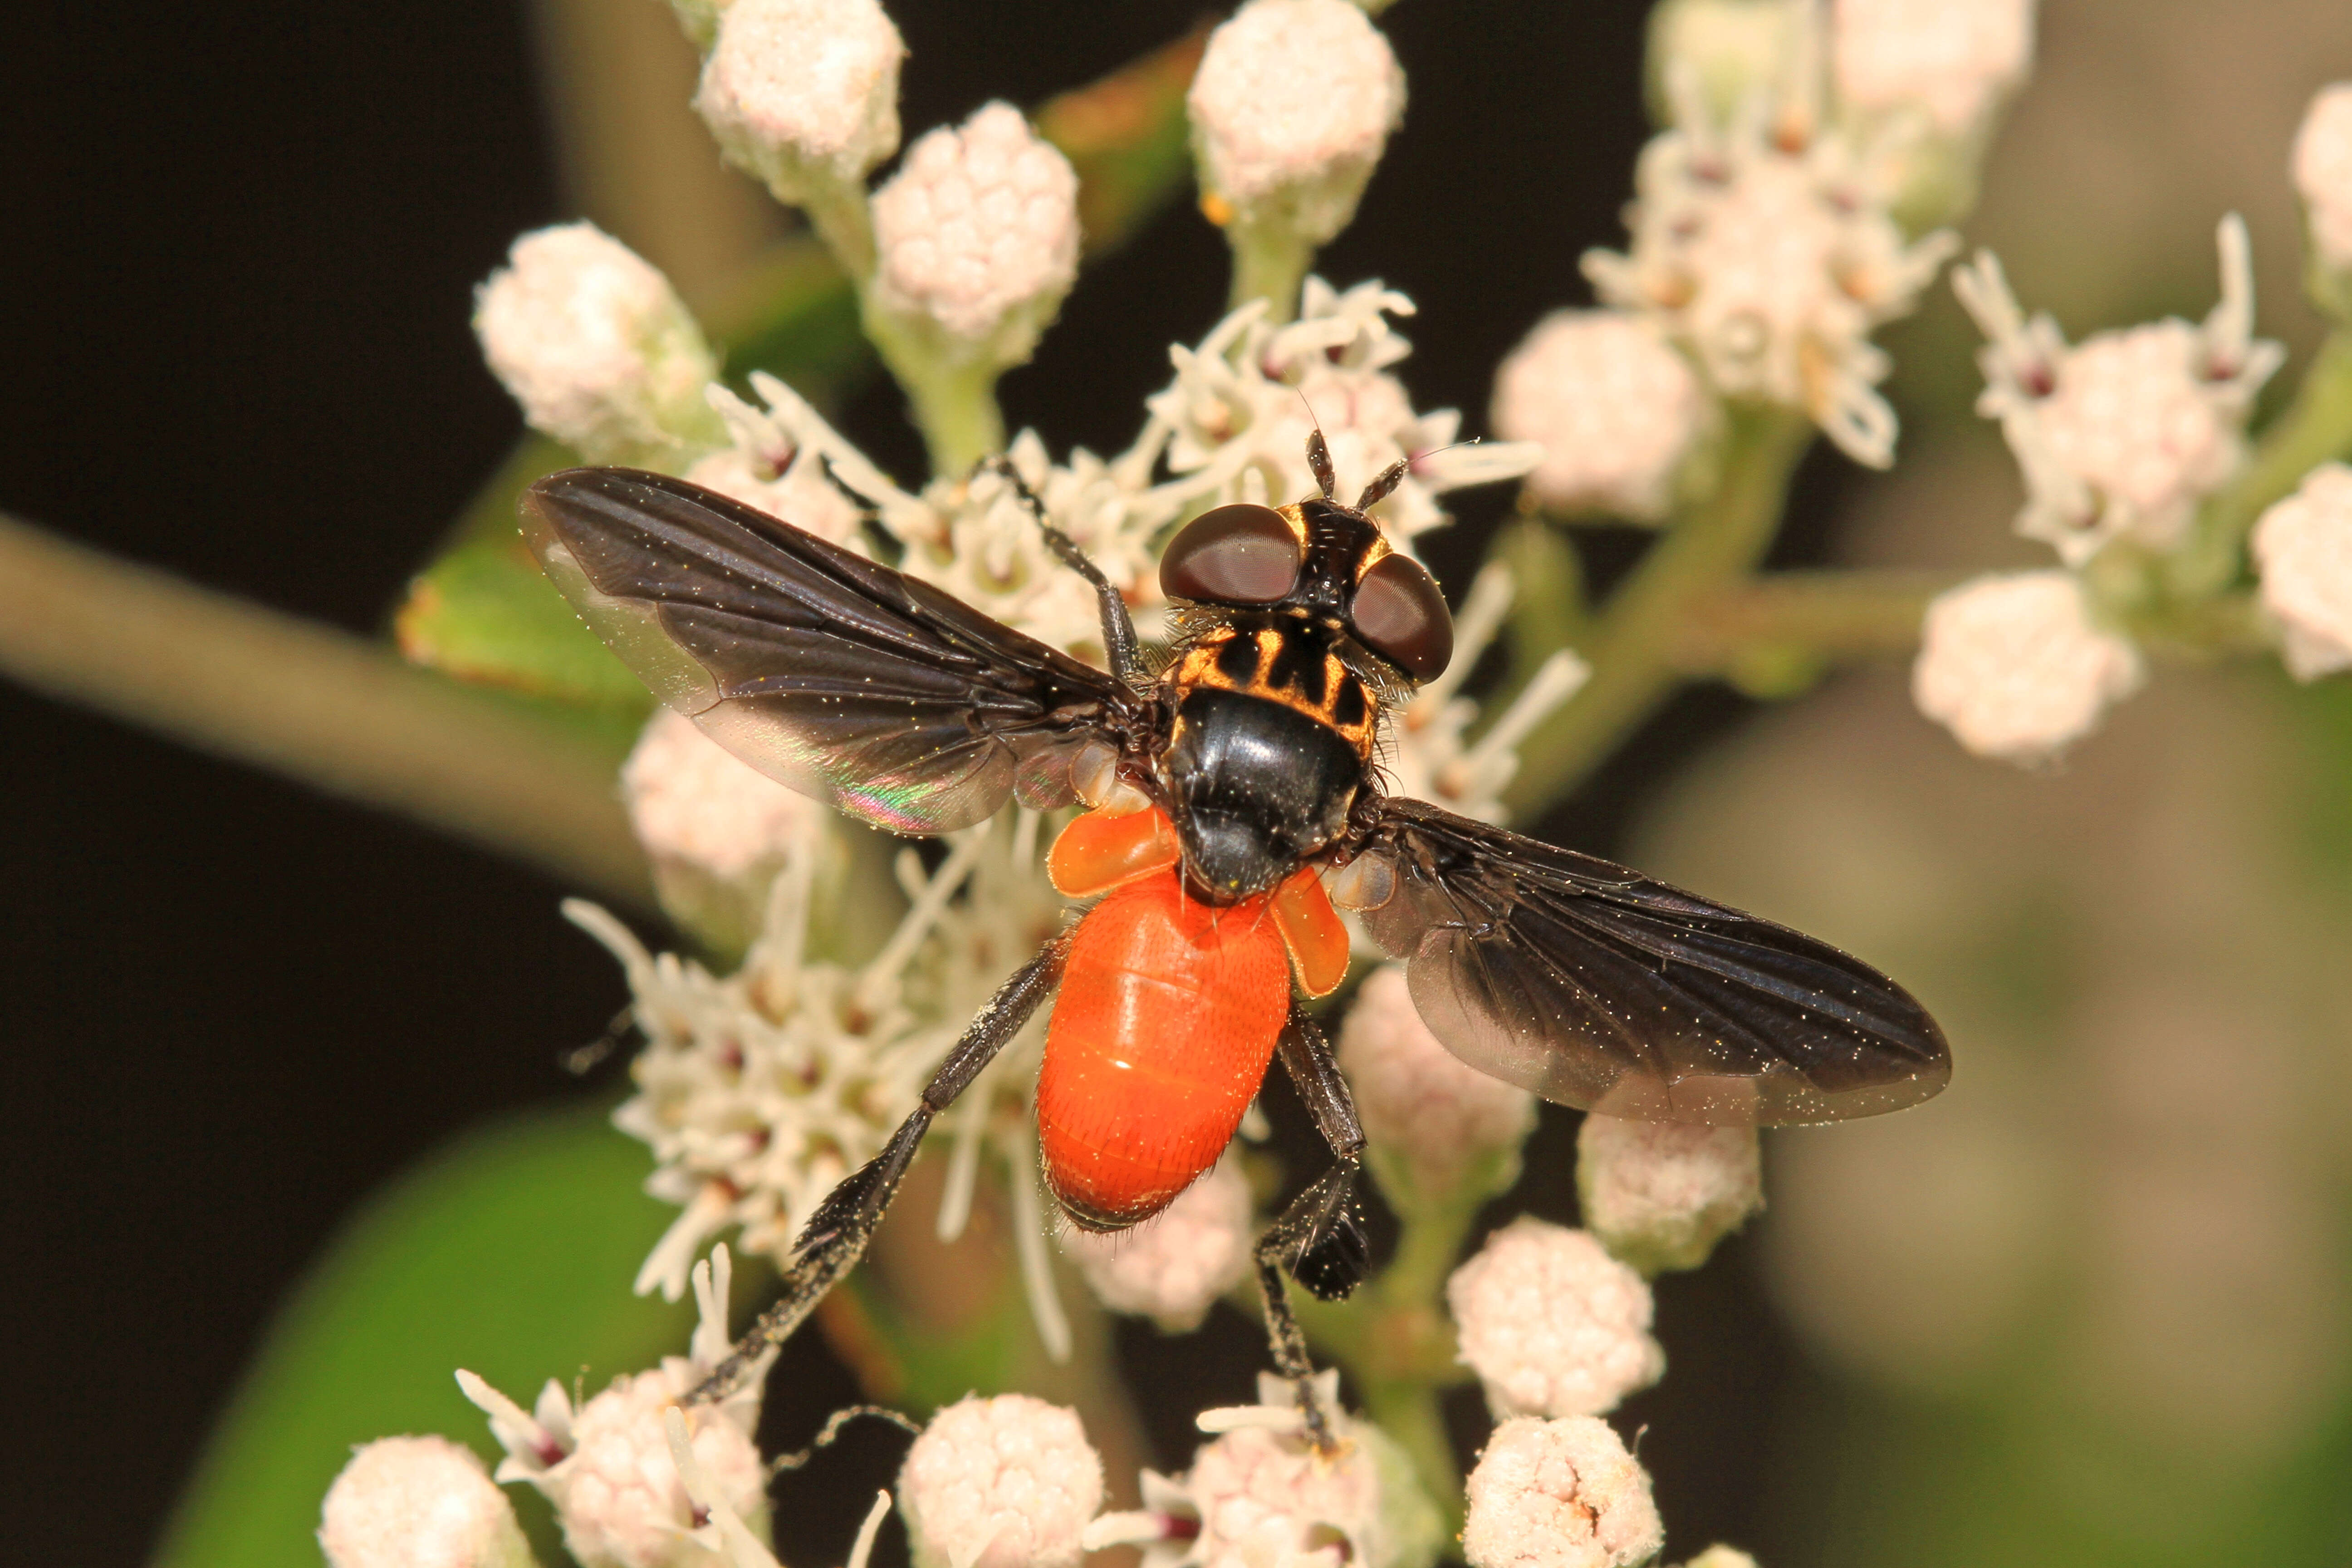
[(1400, 614), (1238, 554)]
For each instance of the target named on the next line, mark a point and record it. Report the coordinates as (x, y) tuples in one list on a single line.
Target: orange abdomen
[(1168, 1014)]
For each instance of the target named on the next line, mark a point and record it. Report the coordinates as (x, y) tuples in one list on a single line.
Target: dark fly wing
[(898, 702), (1593, 986)]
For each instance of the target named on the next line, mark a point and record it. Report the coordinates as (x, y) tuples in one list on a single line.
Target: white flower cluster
[(1659, 1196), (597, 346), (607, 1464), (1551, 1323), (1431, 1117), (2303, 546), (1559, 1494), (1947, 61), (1291, 108), (1008, 1482), (1260, 1496), (2014, 665), (2121, 436), (1762, 243), (804, 94), (1617, 410), (418, 1502), (2323, 176)]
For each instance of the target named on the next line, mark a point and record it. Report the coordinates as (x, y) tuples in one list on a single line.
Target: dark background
[(235, 283)]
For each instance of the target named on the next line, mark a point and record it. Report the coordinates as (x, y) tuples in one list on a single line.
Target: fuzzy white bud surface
[(1721, 1556), (977, 237), (1559, 1494), (2322, 174), (597, 346), (1173, 1268), (1615, 409), (1551, 1323), (1950, 60), (804, 94), (1726, 53), (1659, 1196), (1418, 1100), (2011, 664), (1008, 1482), (1291, 106), (418, 1502), (690, 799), (2303, 546)]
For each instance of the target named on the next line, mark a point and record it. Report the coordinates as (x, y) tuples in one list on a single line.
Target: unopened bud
[(1552, 1324), (2013, 666), (977, 238), (2303, 547), (1559, 1494), (418, 1502), (597, 346), (1008, 1482), (1615, 409), (804, 94), (1291, 108), (1659, 1196), (2323, 177)]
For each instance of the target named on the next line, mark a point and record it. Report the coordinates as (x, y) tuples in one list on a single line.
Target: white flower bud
[(690, 799), (1559, 1494), (1615, 410), (2303, 546), (1419, 1101), (618, 1494), (1731, 53), (1721, 1556), (1952, 60), (2322, 174), (977, 237), (801, 494), (1008, 1482), (1261, 1493), (2012, 665), (1173, 1268), (418, 1502), (1291, 106), (597, 346), (805, 94), (1552, 1324), (1659, 1196)]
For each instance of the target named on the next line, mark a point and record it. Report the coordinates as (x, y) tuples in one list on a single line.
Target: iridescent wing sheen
[(845, 679), (1596, 987)]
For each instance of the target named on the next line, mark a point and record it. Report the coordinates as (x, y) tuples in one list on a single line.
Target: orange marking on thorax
[(1168, 1013)]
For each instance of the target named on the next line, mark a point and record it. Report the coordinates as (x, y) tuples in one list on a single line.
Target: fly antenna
[(1386, 481), (1318, 453)]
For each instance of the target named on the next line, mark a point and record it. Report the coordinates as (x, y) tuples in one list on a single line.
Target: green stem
[(2313, 429), (1270, 263), (1409, 1412), (1713, 545), (955, 407), (315, 704)]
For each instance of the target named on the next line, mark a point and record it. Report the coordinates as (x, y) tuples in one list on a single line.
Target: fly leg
[(1118, 626), (1319, 1240), (845, 1222)]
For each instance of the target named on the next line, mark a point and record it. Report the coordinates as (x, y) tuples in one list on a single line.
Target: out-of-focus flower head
[(1291, 106), (1559, 1494), (1427, 752), (1950, 62), (597, 347), (977, 241), (1008, 1482), (1429, 1117), (1260, 1495), (1173, 1268), (1659, 1196), (1763, 244), (2323, 177), (804, 94), (418, 1502), (1243, 403), (2123, 434), (2303, 546), (1551, 1323), (1617, 411), (606, 1465), (2013, 666)]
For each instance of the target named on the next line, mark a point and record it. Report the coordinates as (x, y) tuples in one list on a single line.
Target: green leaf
[(508, 1253), (484, 613)]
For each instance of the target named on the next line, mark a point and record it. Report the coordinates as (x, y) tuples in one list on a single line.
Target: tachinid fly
[(1232, 799)]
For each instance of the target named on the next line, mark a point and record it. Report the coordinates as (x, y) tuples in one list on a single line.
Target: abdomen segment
[(1167, 1015)]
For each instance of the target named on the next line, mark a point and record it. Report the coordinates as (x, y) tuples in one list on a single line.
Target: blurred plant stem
[(317, 704), (2314, 429), (1713, 544)]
